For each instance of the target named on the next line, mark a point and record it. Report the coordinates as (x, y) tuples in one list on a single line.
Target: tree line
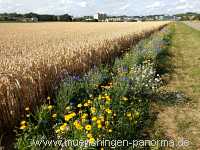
[(40, 17), (189, 16)]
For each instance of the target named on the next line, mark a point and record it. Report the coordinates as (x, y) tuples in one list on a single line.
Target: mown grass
[(118, 95), (178, 113)]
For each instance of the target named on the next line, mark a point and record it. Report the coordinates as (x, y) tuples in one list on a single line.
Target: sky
[(110, 7)]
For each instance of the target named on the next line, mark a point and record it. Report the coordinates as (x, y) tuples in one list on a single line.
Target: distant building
[(130, 19), (161, 17), (58, 18), (137, 18), (177, 18), (100, 16), (33, 19), (114, 19)]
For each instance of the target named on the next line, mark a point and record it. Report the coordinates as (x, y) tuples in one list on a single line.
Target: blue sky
[(111, 7)]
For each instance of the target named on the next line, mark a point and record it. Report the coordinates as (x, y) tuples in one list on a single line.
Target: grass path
[(182, 119)]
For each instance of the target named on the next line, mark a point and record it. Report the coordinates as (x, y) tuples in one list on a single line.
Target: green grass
[(195, 72), (182, 120)]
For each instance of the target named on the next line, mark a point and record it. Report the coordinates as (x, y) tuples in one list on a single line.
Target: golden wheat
[(33, 57)]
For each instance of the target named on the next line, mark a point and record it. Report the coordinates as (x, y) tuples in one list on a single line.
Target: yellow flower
[(23, 122), (67, 108), (89, 102), (76, 122), (102, 119), (102, 148), (48, 98), (108, 98), (107, 123), (137, 114), (99, 98), (93, 110), (23, 127), (89, 135), (73, 114), (70, 116), (94, 118), (63, 127), (98, 121), (86, 104), (110, 130), (83, 120), (54, 115), (91, 140), (79, 105), (84, 116), (124, 98), (27, 108), (99, 126), (50, 107), (58, 130), (108, 111), (77, 125), (129, 114), (114, 114), (88, 127)]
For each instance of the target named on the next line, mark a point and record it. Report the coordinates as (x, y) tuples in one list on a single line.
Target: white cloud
[(182, 1), (156, 4), (124, 7), (184, 6), (82, 4), (89, 7)]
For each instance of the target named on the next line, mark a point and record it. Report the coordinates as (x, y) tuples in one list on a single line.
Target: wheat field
[(35, 57)]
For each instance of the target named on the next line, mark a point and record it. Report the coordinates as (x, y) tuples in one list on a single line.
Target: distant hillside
[(189, 16)]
